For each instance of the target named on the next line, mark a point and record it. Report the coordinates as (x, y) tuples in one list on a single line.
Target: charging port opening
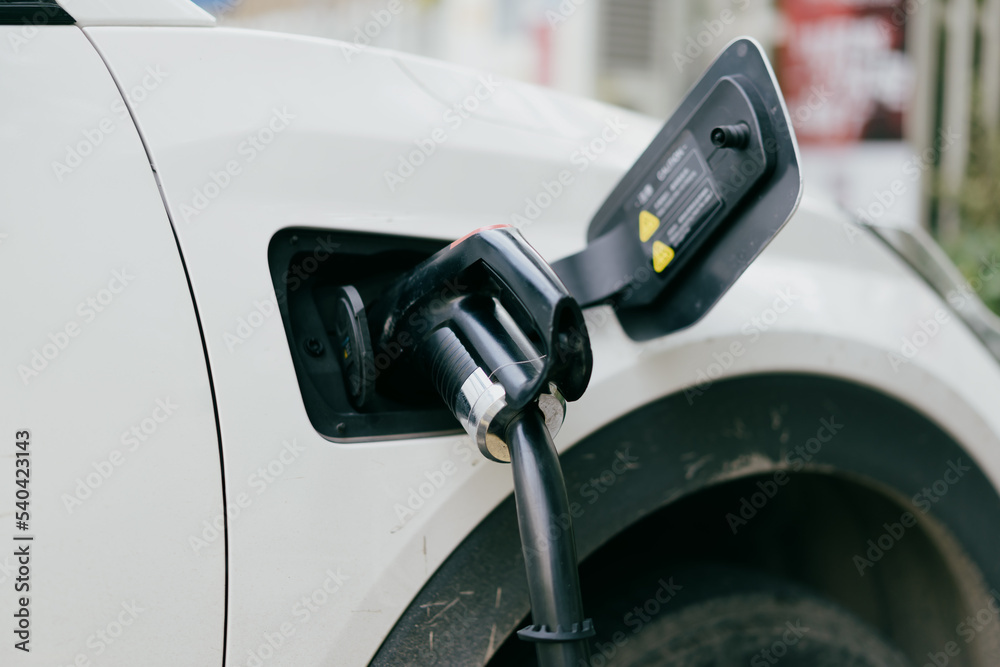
[(307, 267)]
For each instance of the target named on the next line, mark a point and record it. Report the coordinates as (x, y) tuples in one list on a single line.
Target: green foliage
[(976, 253), (978, 239)]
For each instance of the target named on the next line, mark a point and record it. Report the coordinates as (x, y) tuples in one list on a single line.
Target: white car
[(807, 476)]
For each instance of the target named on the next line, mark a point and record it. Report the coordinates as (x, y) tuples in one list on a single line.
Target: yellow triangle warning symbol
[(662, 255), (648, 223)]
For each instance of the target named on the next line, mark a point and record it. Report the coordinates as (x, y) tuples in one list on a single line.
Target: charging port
[(308, 268)]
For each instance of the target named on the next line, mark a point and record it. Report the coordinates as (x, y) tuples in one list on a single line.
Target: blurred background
[(896, 103)]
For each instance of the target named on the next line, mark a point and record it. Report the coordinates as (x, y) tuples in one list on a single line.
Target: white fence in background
[(942, 38)]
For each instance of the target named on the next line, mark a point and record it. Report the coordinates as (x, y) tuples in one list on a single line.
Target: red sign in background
[(843, 69)]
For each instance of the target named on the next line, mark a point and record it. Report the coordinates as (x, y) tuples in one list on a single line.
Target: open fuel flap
[(711, 191)]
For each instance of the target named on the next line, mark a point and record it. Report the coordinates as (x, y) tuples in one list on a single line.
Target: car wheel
[(717, 616), (720, 616)]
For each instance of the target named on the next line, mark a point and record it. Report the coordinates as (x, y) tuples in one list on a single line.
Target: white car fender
[(250, 133)]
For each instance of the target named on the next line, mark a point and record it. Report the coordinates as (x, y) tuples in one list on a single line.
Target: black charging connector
[(487, 321)]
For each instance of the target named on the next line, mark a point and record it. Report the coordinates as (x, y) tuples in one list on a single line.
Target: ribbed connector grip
[(450, 364)]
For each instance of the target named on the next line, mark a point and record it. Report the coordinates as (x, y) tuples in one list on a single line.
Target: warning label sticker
[(681, 193)]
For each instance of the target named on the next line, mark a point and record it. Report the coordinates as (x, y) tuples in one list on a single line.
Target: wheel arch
[(671, 450)]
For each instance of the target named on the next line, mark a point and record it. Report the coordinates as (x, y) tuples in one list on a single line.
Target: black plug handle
[(559, 628), (494, 263), (496, 332)]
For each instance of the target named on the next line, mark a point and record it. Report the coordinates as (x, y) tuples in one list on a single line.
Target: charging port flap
[(711, 191)]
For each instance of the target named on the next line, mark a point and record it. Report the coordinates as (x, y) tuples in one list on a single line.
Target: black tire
[(722, 616)]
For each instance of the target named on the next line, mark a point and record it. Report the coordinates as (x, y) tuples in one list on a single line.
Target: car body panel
[(333, 540), (103, 364), (129, 12)]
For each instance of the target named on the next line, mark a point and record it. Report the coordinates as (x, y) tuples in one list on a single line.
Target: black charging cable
[(559, 628)]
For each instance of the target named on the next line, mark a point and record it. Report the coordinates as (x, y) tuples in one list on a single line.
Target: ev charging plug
[(489, 323), (497, 330)]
